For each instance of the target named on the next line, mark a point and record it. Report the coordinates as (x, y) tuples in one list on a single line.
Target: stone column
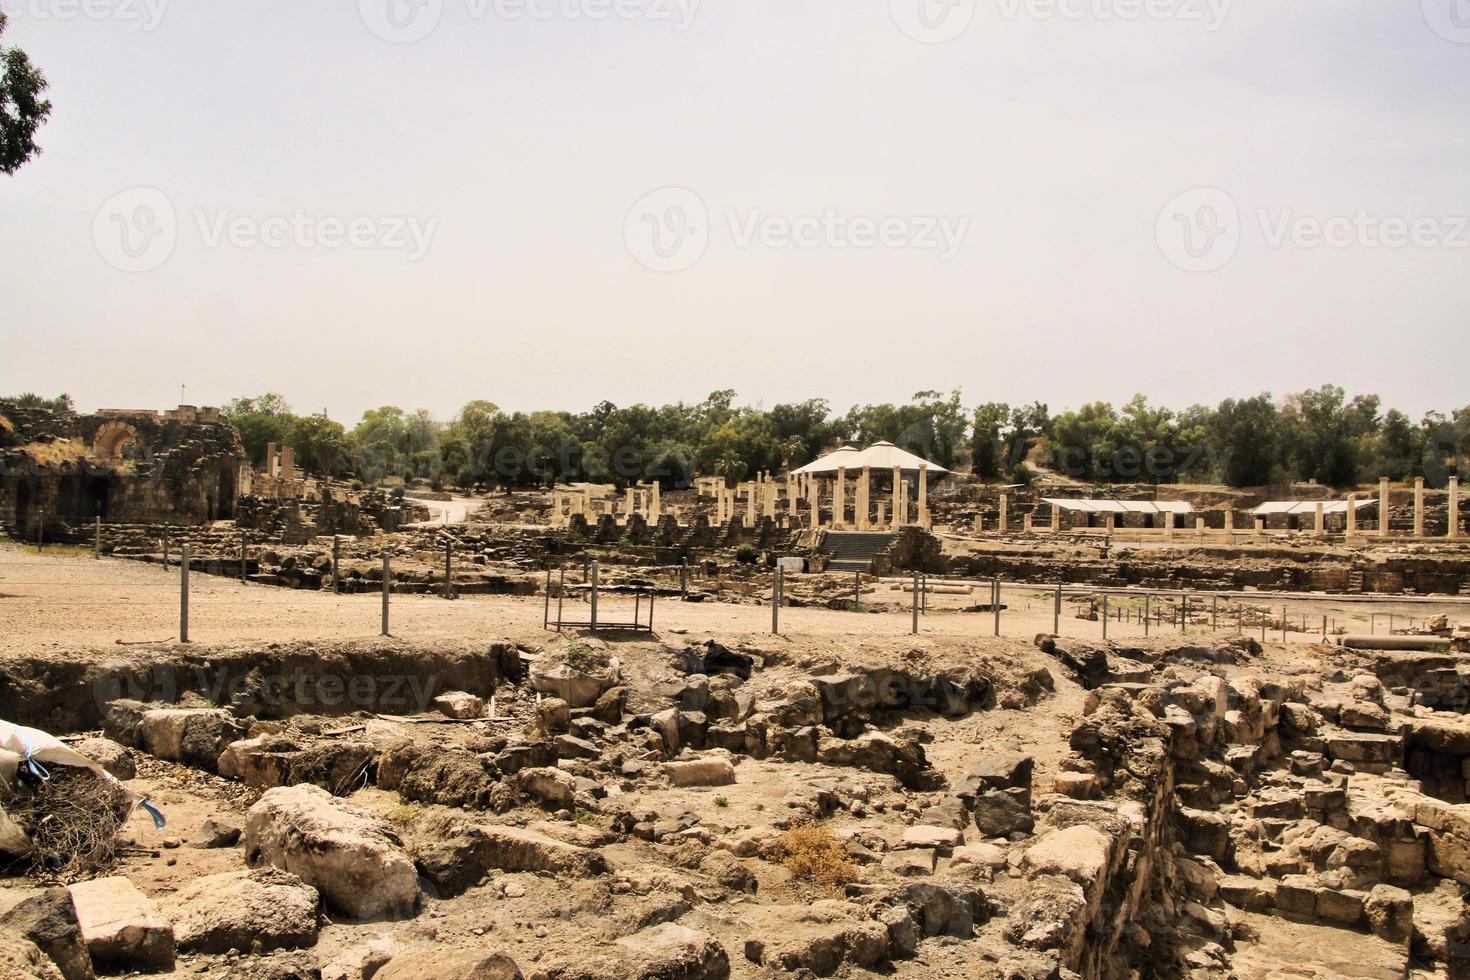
[(1005, 520), (897, 489), (1229, 520), (1026, 522), (864, 490), (924, 495), (1321, 518), (1454, 507), (1352, 515), (655, 502), (770, 495), (839, 499), (1110, 522), (1199, 526), (816, 501), (1056, 519), (880, 515), (1383, 507), (903, 505), (979, 523), (1168, 524), (1419, 507), (288, 463), (1260, 525), (270, 459), (750, 503)]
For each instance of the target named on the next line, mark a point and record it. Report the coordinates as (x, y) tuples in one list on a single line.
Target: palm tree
[(731, 467)]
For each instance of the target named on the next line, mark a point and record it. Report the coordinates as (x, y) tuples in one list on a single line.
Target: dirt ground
[(68, 598)]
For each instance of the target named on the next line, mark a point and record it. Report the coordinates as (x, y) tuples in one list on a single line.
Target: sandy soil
[(69, 599)]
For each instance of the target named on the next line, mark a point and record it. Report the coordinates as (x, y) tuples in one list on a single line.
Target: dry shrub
[(815, 857), (72, 819)]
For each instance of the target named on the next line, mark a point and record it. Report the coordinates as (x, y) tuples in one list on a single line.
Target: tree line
[(1319, 434)]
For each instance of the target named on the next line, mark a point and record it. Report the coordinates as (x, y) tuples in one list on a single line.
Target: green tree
[(319, 442), (1245, 439), (260, 421), (987, 451), (22, 109)]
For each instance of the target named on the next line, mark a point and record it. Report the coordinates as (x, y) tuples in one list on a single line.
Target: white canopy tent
[(1304, 507), (1121, 506), (878, 456)]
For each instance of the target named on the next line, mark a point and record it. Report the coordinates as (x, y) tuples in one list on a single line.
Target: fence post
[(40, 528), (592, 580), (1105, 615), (561, 592), (337, 564), (546, 612), (1284, 624), (857, 591), (683, 578), (1324, 628), (995, 604), (776, 602), (184, 593), (1215, 613), (1146, 604), (387, 590), (1056, 613), (97, 541), (1184, 615), (448, 568), (165, 548), (243, 554)]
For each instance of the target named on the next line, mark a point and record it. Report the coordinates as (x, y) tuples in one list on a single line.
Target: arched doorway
[(111, 439), (98, 493)]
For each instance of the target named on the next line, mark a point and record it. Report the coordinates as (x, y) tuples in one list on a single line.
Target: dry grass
[(55, 453), (814, 857), (72, 820)]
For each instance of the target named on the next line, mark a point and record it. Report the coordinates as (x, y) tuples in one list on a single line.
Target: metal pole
[(184, 593), (776, 603), (683, 578), (857, 591), (996, 604), (1184, 615), (1146, 604), (387, 590), (1215, 613), (1372, 624), (1324, 627), (165, 548), (1056, 613), (592, 580), (243, 558), (561, 593), (1390, 624), (337, 564), (916, 602), (448, 567), (1105, 615), (97, 541), (1283, 624), (546, 612), (41, 529)]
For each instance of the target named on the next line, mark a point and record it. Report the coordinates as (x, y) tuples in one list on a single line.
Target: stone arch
[(111, 439)]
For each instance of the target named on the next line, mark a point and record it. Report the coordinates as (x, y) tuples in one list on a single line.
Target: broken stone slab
[(910, 862), (122, 927), (460, 705), (49, 920), (1081, 853), (249, 911), (352, 858), (111, 756), (216, 833), (877, 752), (1251, 894), (932, 837), (675, 952), (449, 964), (1364, 747), (701, 772), (193, 736), (1002, 812), (551, 787), (981, 855), (821, 938), (454, 854)]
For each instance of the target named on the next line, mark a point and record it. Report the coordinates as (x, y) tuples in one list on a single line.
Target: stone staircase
[(854, 551)]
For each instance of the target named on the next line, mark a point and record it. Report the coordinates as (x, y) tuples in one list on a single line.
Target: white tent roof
[(1307, 507), (878, 456), (1122, 506)]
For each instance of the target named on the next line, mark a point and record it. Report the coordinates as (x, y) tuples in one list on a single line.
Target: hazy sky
[(548, 203)]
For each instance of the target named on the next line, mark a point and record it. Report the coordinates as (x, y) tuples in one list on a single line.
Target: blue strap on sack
[(157, 815), (36, 769)]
